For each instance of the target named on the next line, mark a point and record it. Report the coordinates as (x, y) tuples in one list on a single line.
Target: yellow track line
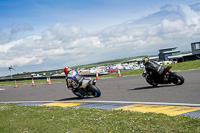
[(71, 104), (165, 109)]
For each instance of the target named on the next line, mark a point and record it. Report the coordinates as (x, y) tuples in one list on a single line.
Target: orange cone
[(15, 84), (97, 76), (33, 84), (48, 81), (119, 74)]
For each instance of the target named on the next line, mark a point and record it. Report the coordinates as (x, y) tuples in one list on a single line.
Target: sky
[(40, 35)]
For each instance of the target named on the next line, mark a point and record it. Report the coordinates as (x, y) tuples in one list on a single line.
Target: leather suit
[(73, 83), (156, 69)]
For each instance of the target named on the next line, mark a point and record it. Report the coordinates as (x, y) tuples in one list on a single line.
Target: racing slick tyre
[(152, 82), (78, 94), (95, 91), (177, 78)]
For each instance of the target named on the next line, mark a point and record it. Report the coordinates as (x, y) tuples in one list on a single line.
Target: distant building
[(195, 48), (189, 56), (171, 54), (166, 52), (179, 58)]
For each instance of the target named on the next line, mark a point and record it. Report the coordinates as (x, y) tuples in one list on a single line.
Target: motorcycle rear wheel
[(95, 91), (177, 78)]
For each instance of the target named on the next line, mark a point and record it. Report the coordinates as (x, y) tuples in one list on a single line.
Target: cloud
[(63, 45), (21, 61), (16, 28), (170, 24), (59, 43)]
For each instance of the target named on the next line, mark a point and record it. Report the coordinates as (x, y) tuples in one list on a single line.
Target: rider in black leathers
[(157, 70)]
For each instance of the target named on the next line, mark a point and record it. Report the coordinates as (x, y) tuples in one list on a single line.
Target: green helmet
[(145, 60)]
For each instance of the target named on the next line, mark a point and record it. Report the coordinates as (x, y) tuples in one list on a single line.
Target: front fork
[(93, 82)]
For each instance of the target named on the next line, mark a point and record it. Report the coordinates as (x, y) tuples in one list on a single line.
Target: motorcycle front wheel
[(95, 91), (177, 78), (79, 93), (152, 82)]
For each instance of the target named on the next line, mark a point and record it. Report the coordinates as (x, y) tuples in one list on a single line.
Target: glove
[(144, 75)]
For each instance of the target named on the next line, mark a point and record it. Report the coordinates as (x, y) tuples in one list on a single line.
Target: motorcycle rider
[(73, 83), (157, 70)]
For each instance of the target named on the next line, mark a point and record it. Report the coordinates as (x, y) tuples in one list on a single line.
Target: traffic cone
[(97, 76), (15, 84), (33, 84), (48, 81), (119, 74)]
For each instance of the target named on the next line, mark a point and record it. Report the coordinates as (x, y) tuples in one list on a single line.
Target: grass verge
[(36, 81), (188, 65), (15, 118)]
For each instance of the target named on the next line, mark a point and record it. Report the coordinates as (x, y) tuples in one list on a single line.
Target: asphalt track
[(128, 93)]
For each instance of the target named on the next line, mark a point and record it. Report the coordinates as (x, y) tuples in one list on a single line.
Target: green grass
[(41, 119), (188, 65), (125, 73), (18, 119), (36, 81)]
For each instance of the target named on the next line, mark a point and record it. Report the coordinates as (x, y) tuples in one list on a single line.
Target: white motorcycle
[(87, 88)]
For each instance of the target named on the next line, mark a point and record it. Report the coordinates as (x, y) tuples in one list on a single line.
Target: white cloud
[(63, 44), (172, 26), (190, 16), (88, 42), (4, 48), (21, 61)]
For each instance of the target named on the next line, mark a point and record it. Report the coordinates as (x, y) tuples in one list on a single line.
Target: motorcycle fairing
[(167, 69), (84, 83), (72, 74), (75, 76)]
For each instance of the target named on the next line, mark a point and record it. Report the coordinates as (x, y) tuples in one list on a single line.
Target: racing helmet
[(66, 70), (145, 60)]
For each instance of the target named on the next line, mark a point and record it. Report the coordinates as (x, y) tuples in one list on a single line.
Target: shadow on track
[(150, 87), (74, 98)]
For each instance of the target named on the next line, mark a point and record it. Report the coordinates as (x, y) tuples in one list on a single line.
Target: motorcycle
[(87, 88), (167, 77)]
